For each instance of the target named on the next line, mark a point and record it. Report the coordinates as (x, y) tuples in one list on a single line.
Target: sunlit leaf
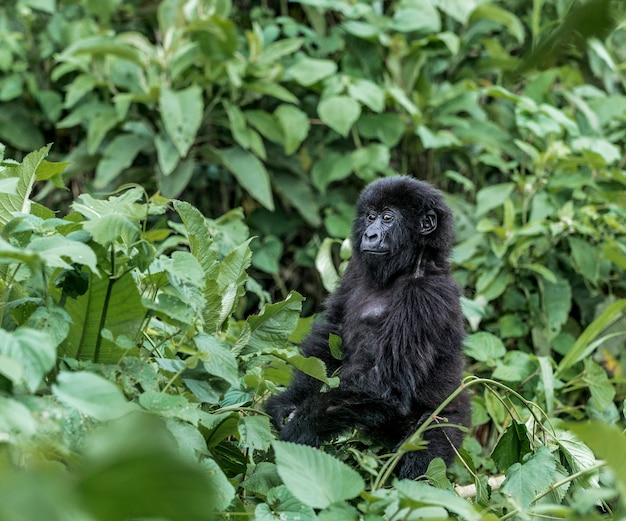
[(92, 395), (525, 480), (314, 477)]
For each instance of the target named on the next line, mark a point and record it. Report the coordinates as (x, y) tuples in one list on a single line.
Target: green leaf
[(585, 257), (369, 160), (170, 405), (224, 491), (339, 113), (484, 347), (557, 302), (238, 126), (512, 446), (579, 350), (516, 366), (308, 71), (330, 168), (524, 481), (27, 356), (578, 455), (266, 124), (100, 46), (308, 365), (278, 49), (314, 477), (15, 418), (282, 505), (335, 343), (493, 196), (294, 125), (99, 125), (325, 265), (26, 174), (499, 15), (110, 304), (250, 173), (602, 391), (54, 248), (423, 18), (388, 128), (547, 378), (294, 191), (218, 359), (116, 218), (137, 461), (119, 155), (92, 395), (182, 112), (267, 254), (167, 154), (368, 93), (273, 326), (231, 278), (417, 494), (608, 443), (255, 432)]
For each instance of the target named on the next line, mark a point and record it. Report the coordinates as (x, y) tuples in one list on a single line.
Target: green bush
[(135, 330), (130, 388)]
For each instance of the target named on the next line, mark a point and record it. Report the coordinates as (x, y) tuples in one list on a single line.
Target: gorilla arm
[(282, 407)]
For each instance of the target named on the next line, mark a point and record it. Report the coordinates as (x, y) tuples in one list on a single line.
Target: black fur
[(398, 313)]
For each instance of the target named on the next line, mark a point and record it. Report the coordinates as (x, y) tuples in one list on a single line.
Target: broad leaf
[(512, 446), (111, 304), (119, 155), (255, 432), (92, 395), (484, 347), (281, 505), (181, 113), (294, 125), (314, 477), (218, 360), (491, 197), (26, 356), (339, 113), (32, 168), (417, 494), (250, 173), (55, 248), (273, 326), (308, 71), (524, 481), (608, 443)]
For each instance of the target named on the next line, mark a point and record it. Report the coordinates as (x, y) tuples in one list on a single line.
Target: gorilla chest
[(367, 311)]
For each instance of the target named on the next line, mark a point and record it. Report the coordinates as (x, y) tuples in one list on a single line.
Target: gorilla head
[(402, 225)]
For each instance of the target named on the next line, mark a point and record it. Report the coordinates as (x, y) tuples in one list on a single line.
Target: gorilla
[(397, 310)]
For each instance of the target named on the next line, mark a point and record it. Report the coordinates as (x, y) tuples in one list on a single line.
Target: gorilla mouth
[(375, 252)]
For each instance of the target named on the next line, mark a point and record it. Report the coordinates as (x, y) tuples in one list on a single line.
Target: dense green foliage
[(139, 338)]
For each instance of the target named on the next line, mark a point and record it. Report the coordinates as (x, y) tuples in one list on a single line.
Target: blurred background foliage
[(269, 117)]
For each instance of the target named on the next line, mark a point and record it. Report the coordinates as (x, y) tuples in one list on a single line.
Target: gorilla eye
[(371, 216), (387, 217)]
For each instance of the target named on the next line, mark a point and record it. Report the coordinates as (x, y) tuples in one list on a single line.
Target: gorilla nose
[(372, 243)]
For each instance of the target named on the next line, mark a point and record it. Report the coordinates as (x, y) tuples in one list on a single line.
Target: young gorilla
[(397, 311)]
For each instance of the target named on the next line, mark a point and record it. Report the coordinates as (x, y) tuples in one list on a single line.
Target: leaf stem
[(105, 308)]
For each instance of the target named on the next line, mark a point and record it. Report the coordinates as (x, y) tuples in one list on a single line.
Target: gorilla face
[(376, 239), (401, 225)]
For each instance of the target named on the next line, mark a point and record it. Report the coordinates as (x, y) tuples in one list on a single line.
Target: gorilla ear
[(428, 222)]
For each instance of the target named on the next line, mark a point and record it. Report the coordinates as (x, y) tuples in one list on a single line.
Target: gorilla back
[(397, 310)]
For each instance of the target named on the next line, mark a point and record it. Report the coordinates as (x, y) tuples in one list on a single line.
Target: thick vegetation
[(141, 335)]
